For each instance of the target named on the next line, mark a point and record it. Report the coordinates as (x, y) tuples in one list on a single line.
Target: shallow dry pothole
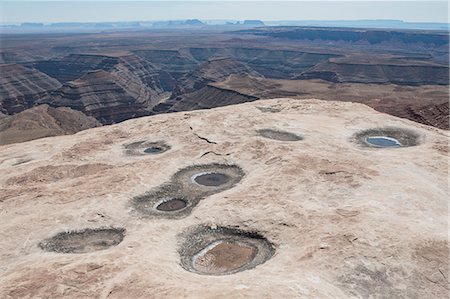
[(187, 187), (279, 135), (141, 148), (389, 137), (223, 250), (83, 241)]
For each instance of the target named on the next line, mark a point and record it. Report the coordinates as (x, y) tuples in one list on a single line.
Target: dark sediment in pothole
[(223, 250), (83, 241), (389, 137), (141, 148), (187, 187), (279, 135), (173, 204), (211, 179)]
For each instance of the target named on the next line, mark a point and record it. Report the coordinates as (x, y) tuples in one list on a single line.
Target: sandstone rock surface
[(346, 221)]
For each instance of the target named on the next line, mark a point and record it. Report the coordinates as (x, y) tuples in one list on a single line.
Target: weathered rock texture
[(20, 87), (43, 121), (344, 220)]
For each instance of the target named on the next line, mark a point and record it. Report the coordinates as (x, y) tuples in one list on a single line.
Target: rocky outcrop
[(214, 70), (320, 217), (43, 121), (171, 61), (271, 63), (20, 87), (127, 89), (432, 114), (204, 98), (280, 64)]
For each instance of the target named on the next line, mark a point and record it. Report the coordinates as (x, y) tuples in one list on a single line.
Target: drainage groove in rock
[(223, 250), (279, 135), (186, 188), (86, 240), (141, 148), (389, 137)]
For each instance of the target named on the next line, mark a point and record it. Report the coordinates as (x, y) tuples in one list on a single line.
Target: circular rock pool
[(388, 137), (223, 251)]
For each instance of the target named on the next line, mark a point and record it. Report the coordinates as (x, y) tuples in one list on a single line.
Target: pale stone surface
[(346, 221)]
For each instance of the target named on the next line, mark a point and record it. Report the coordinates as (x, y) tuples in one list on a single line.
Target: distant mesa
[(194, 22), (254, 23), (182, 23), (32, 25)]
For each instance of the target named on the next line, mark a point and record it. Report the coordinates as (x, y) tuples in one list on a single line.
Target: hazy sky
[(106, 10)]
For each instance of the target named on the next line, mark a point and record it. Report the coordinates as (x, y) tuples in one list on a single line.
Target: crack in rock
[(202, 138)]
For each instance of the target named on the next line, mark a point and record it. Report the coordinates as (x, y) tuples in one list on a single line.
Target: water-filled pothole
[(211, 179), (389, 137), (382, 141), (208, 179), (153, 150), (222, 250), (141, 148), (279, 135), (83, 241), (186, 188)]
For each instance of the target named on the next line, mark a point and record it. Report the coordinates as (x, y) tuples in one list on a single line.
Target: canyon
[(115, 76)]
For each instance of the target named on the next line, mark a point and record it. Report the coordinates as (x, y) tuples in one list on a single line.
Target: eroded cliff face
[(74, 66), (268, 199), (21, 87), (381, 72), (127, 89), (214, 70)]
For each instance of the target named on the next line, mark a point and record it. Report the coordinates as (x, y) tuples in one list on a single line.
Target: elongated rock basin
[(83, 241), (177, 198), (279, 135), (141, 148)]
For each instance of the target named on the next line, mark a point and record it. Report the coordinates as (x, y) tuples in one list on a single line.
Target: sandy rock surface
[(346, 221)]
